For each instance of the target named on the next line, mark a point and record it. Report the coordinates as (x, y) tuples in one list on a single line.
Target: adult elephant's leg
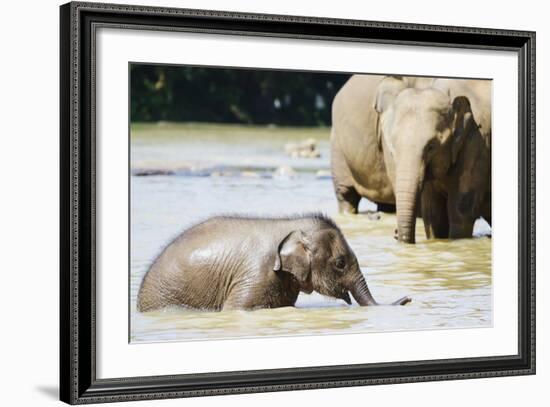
[(463, 210), (385, 207), (434, 212), (347, 196), (486, 210)]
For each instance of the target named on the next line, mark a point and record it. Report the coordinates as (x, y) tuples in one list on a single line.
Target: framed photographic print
[(256, 203)]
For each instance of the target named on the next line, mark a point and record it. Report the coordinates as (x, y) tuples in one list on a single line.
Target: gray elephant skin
[(248, 263), (421, 144)]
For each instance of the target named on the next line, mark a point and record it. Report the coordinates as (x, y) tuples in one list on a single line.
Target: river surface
[(184, 173)]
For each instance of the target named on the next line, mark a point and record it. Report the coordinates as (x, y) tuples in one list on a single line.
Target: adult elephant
[(423, 144)]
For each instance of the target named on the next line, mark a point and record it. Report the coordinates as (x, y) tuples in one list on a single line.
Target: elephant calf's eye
[(340, 262)]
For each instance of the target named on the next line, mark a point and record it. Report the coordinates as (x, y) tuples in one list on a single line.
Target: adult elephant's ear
[(462, 122), (293, 256), (387, 91)]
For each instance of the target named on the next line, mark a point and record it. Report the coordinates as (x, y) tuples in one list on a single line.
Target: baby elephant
[(248, 263)]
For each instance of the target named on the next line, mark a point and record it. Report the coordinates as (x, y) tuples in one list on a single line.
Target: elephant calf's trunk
[(360, 291), (362, 295)]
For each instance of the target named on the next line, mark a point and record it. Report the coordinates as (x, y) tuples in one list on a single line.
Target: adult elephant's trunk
[(408, 180), (360, 291)]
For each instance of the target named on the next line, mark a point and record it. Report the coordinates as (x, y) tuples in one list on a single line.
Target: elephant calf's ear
[(293, 256), (463, 120)]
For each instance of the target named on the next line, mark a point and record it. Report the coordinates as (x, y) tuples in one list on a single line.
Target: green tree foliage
[(232, 95)]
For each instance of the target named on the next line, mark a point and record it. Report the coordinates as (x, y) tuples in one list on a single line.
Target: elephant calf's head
[(321, 260)]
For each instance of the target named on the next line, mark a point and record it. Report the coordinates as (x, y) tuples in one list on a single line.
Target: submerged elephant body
[(248, 263), (422, 144)]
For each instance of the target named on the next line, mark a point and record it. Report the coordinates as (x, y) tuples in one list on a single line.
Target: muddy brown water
[(197, 171)]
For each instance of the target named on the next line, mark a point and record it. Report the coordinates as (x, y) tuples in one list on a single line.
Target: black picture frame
[(78, 382)]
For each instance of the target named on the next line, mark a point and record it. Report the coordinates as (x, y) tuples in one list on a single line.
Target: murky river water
[(195, 171)]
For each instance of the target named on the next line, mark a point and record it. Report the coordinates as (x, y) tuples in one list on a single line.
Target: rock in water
[(323, 174), (284, 171), (305, 149), (151, 172), (250, 174), (373, 215)]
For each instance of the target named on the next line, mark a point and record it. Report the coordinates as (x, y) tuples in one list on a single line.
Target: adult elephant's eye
[(340, 262)]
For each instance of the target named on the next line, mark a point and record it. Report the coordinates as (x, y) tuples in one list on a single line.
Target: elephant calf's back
[(148, 296), (192, 271)]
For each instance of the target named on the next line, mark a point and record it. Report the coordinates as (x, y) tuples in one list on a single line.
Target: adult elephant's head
[(322, 261), (421, 131)]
